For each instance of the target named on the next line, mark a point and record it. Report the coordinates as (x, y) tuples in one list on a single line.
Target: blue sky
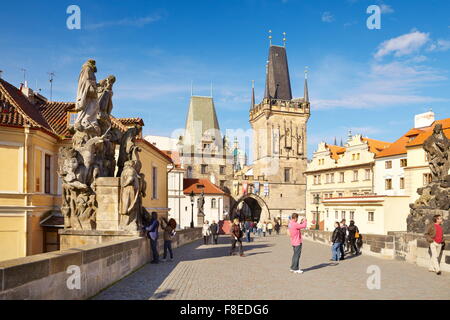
[(369, 81)]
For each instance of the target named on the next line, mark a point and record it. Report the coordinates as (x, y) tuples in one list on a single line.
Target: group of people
[(152, 230), (345, 239), (210, 232)]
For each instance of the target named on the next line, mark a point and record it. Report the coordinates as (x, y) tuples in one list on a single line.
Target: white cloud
[(327, 17), (439, 45), (403, 45), (131, 22), (386, 9)]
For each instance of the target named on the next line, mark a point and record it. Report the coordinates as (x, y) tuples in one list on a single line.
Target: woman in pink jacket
[(296, 241)]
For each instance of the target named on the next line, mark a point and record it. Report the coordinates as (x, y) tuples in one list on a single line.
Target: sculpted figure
[(130, 194), (201, 204), (105, 95), (87, 100), (128, 150), (437, 148)]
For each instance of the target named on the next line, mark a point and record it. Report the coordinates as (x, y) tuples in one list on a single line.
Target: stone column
[(108, 199)]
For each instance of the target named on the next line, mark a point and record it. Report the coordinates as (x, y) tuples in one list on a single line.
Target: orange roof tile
[(195, 185), (175, 156), (335, 151), (399, 146), (428, 131), (376, 146), (131, 121)]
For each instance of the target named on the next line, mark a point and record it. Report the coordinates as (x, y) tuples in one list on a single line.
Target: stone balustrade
[(46, 277)]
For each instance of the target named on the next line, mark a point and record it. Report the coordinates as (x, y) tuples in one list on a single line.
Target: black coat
[(338, 236), (352, 230)]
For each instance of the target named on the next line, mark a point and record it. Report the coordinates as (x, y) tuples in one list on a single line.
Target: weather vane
[(270, 37), (284, 39)]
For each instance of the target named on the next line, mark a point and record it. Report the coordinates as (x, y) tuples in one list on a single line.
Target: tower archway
[(252, 207)]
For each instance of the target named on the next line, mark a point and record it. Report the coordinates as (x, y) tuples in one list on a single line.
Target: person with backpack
[(236, 235), (153, 233), (353, 236), (296, 241), (337, 238), (169, 234), (344, 232), (214, 231)]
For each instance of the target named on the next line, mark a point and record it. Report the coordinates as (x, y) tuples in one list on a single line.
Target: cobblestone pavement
[(208, 272)]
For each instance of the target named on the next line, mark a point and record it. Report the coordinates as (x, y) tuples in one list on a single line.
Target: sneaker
[(298, 271), (438, 273), (291, 270)]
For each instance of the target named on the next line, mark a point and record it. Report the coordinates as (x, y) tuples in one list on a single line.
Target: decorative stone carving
[(92, 156), (435, 197), (201, 205)]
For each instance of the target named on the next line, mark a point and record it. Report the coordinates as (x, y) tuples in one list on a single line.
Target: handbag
[(357, 235)]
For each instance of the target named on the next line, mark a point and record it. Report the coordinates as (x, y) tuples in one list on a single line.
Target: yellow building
[(31, 132)]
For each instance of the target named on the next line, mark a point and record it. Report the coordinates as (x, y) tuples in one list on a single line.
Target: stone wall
[(45, 276), (404, 246)]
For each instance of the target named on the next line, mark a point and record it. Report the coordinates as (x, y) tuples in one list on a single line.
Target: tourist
[(248, 228), (236, 235), (206, 232), (435, 237), (264, 228), (153, 232), (344, 232), (337, 239), (353, 235), (270, 227), (169, 234), (215, 231), (296, 241), (254, 228), (260, 228), (277, 227)]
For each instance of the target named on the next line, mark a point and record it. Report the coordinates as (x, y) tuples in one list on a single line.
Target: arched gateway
[(256, 205)]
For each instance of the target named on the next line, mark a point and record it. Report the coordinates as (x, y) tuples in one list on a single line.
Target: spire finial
[(270, 37), (284, 39), (306, 72), (252, 104), (306, 91)]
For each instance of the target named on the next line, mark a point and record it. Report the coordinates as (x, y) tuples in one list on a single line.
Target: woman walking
[(353, 235), (206, 232), (277, 227), (337, 239), (260, 228), (236, 235), (169, 234), (264, 228), (270, 227)]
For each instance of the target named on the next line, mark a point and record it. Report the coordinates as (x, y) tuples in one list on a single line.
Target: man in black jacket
[(352, 231), (337, 238), (214, 231)]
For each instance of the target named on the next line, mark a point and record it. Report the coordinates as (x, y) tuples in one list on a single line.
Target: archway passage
[(251, 207)]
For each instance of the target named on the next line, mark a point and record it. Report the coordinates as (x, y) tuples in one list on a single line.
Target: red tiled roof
[(22, 110), (165, 156), (195, 185), (175, 156), (376, 146), (428, 131), (131, 121), (335, 151), (399, 146)]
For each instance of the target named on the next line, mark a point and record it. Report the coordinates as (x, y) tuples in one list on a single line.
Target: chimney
[(424, 119)]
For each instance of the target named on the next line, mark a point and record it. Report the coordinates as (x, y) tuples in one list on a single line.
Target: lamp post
[(192, 195), (316, 202)]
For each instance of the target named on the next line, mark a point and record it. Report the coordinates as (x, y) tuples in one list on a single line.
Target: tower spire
[(284, 39), (306, 93), (253, 95)]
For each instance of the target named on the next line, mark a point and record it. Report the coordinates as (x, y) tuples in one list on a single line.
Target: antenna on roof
[(284, 39), (270, 37), (52, 75), (24, 74)]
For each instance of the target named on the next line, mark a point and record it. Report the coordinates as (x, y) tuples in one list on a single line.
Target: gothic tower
[(279, 139)]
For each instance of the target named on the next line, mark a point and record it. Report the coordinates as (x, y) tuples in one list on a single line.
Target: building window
[(402, 183), (355, 194), (332, 177), (341, 177), (357, 156), (222, 170), (336, 215), (427, 178), (154, 183), (213, 203), (403, 163), (352, 215), (388, 184), (371, 216), (340, 194), (189, 172), (204, 169), (342, 215), (388, 164), (367, 174), (222, 183), (47, 174), (328, 214), (287, 174), (355, 175), (327, 178)]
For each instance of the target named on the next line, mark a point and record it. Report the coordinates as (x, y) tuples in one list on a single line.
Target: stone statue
[(435, 197), (437, 148), (105, 95), (201, 204), (129, 150), (130, 192)]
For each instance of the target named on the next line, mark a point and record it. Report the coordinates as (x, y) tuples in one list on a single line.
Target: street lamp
[(316, 202), (192, 195)]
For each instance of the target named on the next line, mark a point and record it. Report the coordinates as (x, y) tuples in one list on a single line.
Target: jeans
[(296, 257), (259, 232), (341, 249), (168, 247), (248, 235), (215, 238), (270, 232), (154, 246), (435, 253), (233, 246), (353, 246), (335, 251)]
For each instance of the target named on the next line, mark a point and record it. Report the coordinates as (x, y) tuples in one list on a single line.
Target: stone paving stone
[(207, 272)]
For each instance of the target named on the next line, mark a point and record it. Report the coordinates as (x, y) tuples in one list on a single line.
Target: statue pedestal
[(200, 220), (108, 199), (78, 238)]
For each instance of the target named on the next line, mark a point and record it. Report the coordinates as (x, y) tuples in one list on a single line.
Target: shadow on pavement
[(320, 266)]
